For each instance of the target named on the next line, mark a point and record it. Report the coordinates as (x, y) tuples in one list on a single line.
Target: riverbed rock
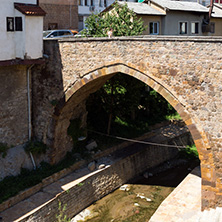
[(146, 175), (101, 166), (125, 187), (92, 166), (92, 144)]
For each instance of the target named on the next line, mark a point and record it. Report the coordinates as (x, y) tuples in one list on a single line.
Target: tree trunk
[(111, 109)]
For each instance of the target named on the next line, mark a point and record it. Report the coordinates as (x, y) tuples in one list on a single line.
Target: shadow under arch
[(139, 72)]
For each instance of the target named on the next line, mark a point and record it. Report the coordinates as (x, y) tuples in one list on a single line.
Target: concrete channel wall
[(79, 195)]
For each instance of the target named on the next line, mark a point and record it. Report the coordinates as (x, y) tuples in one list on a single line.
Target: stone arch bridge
[(187, 72)]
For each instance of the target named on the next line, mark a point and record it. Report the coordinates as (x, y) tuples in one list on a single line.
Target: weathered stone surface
[(13, 108), (185, 71), (15, 159)]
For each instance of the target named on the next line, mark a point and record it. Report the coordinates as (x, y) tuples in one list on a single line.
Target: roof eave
[(40, 13)]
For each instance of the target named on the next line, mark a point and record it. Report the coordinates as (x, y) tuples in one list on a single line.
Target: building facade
[(216, 20), (182, 17), (166, 17), (61, 14)]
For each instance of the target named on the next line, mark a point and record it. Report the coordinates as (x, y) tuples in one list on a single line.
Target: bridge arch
[(101, 74)]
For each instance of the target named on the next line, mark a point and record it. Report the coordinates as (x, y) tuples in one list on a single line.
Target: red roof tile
[(30, 9)]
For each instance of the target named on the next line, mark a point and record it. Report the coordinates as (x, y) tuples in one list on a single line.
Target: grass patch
[(190, 153), (174, 116), (36, 147), (61, 217)]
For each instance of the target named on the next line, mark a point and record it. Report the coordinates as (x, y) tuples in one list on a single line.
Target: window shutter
[(18, 23)]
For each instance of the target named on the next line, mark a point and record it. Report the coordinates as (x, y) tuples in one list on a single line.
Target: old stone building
[(21, 47), (61, 14)]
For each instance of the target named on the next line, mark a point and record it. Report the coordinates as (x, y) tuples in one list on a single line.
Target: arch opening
[(93, 80)]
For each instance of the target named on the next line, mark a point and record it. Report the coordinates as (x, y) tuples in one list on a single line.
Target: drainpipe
[(211, 8), (29, 113)]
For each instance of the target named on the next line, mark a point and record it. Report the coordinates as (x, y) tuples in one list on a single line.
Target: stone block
[(91, 145)]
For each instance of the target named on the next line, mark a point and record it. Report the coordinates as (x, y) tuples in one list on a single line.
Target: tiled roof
[(142, 8), (181, 5), (217, 11), (30, 9)]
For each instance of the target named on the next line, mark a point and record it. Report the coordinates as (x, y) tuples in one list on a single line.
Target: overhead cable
[(136, 141)]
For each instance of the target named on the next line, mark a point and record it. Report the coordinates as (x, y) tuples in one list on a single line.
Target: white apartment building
[(21, 29)]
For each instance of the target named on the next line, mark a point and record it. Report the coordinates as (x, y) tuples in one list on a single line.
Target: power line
[(136, 141)]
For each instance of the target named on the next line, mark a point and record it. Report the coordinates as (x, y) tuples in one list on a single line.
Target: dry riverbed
[(138, 200)]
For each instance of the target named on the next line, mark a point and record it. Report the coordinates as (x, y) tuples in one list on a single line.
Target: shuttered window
[(18, 23)]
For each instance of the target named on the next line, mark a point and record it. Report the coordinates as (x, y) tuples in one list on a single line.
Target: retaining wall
[(80, 195)]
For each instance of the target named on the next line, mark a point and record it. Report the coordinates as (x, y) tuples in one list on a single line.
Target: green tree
[(121, 19), (125, 101)]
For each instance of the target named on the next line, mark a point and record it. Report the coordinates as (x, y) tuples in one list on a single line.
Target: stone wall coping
[(142, 38)]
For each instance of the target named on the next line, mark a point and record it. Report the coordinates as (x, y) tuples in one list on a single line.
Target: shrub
[(189, 153), (36, 147)]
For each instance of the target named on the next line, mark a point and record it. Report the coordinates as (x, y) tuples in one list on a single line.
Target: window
[(105, 3), (10, 24), (18, 23), (92, 2), (14, 24), (212, 27), (86, 2), (154, 28), (80, 18), (52, 26), (194, 27), (80, 2), (100, 3), (183, 28)]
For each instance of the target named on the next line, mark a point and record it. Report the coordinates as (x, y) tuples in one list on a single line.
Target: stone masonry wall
[(185, 71), (13, 108)]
